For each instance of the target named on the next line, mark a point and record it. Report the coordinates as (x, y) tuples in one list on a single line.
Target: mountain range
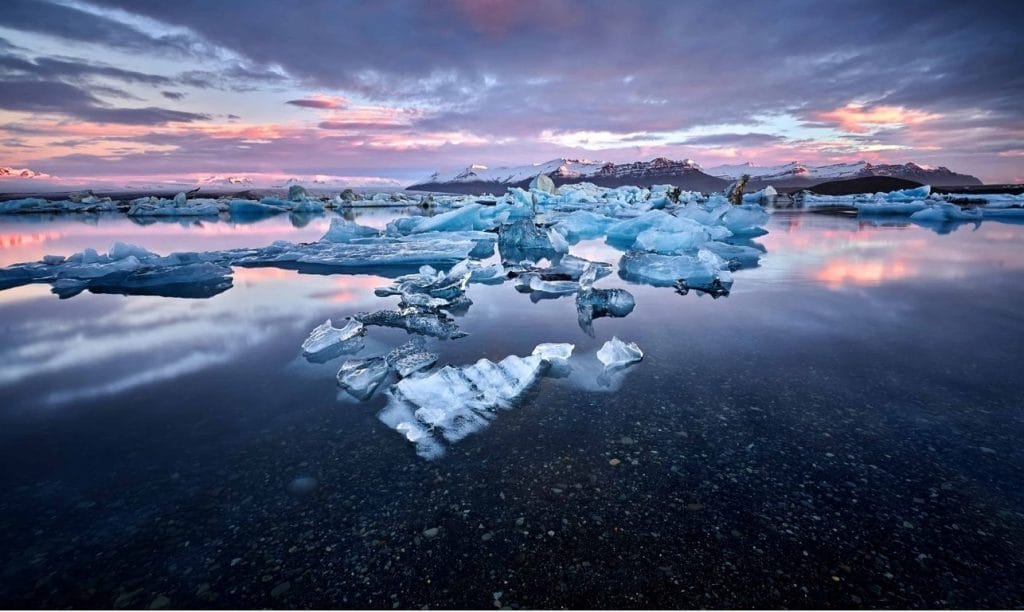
[(687, 174)]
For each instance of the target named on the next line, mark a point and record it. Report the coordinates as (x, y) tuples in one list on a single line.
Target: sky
[(393, 90)]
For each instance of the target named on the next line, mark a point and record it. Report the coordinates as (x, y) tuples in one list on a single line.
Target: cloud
[(859, 118), (322, 102), (732, 140), (173, 95), (67, 99)]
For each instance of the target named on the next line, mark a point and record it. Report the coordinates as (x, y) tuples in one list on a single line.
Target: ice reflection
[(137, 341), (844, 251)]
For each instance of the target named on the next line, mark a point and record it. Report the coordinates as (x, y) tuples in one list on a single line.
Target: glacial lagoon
[(841, 430)]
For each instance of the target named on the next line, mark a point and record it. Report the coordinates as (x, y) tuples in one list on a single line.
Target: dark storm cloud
[(67, 99), (518, 67)]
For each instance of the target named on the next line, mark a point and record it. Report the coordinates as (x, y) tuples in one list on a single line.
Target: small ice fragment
[(361, 377), (411, 357), (553, 352), (616, 354), (326, 342)]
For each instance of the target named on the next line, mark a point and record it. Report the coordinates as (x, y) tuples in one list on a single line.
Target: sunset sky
[(120, 88)]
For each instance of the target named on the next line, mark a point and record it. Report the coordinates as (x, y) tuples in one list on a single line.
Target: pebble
[(159, 603), (432, 532), (280, 589), (614, 462)]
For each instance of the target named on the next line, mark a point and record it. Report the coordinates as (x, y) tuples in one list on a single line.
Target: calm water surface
[(842, 431)]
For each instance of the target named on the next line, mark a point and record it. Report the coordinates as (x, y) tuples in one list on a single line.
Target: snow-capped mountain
[(796, 174), (687, 174), (477, 178), (23, 173)]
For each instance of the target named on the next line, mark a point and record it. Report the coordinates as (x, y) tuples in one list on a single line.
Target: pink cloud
[(858, 118)]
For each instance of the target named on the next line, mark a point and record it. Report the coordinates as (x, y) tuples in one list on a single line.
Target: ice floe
[(449, 404), (617, 354)]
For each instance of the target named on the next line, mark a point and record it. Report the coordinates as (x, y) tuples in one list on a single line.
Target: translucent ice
[(944, 211), (554, 353), (412, 356), (361, 377), (343, 230), (326, 342), (698, 270), (436, 324), (523, 240), (582, 225), (454, 402), (616, 354)]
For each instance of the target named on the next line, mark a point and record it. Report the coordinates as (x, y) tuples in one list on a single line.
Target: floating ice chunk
[(543, 182), (251, 208), (944, 211), (180, 206), (659, 241), (361, 377), (746, 220), (881, 206), (531, 281), (595, 303), (122, 250), (554, 353), (412, 356), (522, 240), (582, 225), (479, 273), (436, 324), (356, 255), (909, 195), (701, 270), (326, 342), (736, 255), (617, 354), (85, 204), (297, 193), (457, 401), (343, 230)]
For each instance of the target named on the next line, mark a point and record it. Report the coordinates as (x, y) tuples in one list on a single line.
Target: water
[(841, 431)]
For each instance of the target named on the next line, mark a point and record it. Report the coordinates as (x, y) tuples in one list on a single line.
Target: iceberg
[(881, 206), (362, 377), (582, 225), (85, 204), (746, 220), (944, 211), (701, 270), (326, 342), (179, 206), (343, 230), (617, 354), (523, 240)]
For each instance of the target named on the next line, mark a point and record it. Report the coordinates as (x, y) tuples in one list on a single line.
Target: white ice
[(616, 354)]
